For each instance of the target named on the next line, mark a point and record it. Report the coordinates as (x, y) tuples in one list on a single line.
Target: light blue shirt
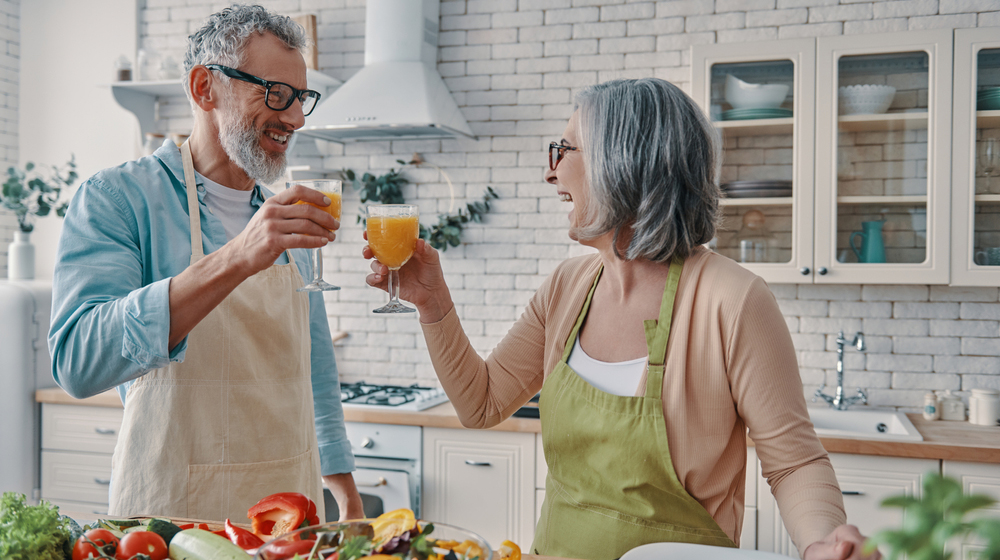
[(126, 234)]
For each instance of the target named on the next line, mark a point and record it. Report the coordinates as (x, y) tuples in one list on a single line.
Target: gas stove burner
[(413, 397)]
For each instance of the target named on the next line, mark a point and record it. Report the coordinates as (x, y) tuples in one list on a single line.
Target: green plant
[(387, 189), (34, 191), (935, 519)]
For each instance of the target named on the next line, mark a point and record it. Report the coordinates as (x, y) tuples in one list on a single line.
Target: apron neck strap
[(194, 210), (658, 331), (571, 341)]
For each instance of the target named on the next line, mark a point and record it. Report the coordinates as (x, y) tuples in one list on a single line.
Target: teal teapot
[(872, 248)]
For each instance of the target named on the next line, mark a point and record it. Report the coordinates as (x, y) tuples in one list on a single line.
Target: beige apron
[(210, 436)]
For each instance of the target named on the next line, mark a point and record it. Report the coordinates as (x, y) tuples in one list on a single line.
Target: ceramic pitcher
[(872, 248)]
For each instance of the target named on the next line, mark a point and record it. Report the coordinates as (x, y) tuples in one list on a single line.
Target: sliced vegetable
[(198, 544), (281, 513), (290, 549), (241, 537), (392, 524), (509, 551), (165, 529), (142, 542)]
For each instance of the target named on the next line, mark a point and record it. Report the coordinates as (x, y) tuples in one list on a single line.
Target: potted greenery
[(936, 520), (28, 192)]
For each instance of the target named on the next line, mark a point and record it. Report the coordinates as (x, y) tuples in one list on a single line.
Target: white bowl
[(865, 99), (742, 95)]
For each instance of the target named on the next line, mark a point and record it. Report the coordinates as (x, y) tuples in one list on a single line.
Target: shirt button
[(201, 188)]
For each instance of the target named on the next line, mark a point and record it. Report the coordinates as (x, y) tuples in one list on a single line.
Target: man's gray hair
[(651, 159), (225, 33)]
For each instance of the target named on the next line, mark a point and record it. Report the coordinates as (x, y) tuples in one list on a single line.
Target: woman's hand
[(844, 543), (421, 281)]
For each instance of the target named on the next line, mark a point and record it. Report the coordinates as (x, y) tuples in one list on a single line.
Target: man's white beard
[(242, 144)]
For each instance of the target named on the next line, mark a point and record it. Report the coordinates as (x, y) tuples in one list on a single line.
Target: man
[(226, 372)]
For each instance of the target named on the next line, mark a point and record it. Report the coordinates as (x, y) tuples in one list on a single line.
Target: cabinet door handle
[(105, 431), (477, 463), (804, 271), (104, 481), (822, 271), (853, 492), (380, 482)]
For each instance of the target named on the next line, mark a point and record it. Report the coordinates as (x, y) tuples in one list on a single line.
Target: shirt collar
[(170, 156)]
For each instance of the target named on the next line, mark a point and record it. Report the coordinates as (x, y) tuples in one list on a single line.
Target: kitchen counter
[(954, 441)]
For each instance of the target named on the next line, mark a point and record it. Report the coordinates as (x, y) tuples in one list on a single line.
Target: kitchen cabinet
[(77, 445), (481, 480), (976, 158), (864, 481), (976, 478), (885, 176)]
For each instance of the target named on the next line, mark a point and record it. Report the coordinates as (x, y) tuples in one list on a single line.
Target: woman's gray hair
[(225, 33), (651, 159)]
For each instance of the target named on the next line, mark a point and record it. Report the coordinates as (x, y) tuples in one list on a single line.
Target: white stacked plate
[(757, 189)]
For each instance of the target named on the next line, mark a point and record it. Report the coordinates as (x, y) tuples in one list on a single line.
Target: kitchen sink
[(867, 424)]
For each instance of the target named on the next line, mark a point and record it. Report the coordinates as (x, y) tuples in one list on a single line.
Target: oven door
[(381, 490)]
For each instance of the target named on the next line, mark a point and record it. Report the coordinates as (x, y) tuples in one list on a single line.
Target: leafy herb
[(384, 189), (355, 547), (31, 532), (32, 192), (421, 546), (448, 230), (935, 519)]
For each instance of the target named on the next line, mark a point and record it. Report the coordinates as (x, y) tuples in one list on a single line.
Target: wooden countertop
[(955, 441)]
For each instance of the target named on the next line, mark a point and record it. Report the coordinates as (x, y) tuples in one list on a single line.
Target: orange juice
[(393, 238), (333, 209)]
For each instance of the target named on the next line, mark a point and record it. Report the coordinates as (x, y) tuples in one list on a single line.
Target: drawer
[(77, 477), (80, 428), (81, 511)]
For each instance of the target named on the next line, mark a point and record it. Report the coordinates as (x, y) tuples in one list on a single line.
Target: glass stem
[(393, 286), (317, 265)]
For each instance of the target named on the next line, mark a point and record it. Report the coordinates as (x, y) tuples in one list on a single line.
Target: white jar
[(952, 407), (931, 410), (984, 407)]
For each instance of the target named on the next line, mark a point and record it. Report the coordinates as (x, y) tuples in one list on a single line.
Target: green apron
[(611, 484)]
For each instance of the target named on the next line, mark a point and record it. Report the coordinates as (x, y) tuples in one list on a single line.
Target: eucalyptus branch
[(34, 191), (448, 230)]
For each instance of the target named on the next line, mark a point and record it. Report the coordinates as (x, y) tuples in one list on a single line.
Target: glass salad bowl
[(399, 538)]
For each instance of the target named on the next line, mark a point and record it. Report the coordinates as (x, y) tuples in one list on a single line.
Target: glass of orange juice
[(392, 235), (332, 189)]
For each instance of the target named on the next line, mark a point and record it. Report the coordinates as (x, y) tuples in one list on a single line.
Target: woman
[(654, 356)]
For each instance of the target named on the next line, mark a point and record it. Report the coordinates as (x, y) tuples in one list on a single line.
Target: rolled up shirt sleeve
[(108, 325)]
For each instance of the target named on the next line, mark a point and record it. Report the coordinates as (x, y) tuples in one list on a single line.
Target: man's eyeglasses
[(279, 95), (556, 153)]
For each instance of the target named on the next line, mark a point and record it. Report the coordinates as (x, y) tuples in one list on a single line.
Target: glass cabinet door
[(976, 160), (883, 142), (760, 98)]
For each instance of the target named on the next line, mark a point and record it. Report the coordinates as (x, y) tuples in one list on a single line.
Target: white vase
[(21, 257)]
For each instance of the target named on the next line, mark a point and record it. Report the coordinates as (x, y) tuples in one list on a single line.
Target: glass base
[(394, 307), (318, 286)]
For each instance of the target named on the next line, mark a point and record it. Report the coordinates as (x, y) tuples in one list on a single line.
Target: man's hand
[(345, 492), (844, 543), (281, 224)]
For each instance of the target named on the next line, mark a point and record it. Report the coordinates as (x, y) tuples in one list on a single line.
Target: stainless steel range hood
[(398, 94)]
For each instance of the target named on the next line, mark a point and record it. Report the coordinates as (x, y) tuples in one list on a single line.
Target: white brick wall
[(514, 66), (10, 55)]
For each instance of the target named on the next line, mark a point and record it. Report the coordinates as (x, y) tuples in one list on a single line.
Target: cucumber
[(164, 528), (197, 544)]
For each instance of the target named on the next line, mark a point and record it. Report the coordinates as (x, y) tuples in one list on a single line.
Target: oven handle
[(380, 482), (477, 463)]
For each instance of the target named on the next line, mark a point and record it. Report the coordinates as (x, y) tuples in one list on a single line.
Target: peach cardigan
[(730, 368)]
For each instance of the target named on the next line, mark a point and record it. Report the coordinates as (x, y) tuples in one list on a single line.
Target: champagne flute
[(392, 236), (332, 189), (989, 158)]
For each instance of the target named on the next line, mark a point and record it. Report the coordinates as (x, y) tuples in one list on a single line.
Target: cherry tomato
[(102, 538), (142, 542)]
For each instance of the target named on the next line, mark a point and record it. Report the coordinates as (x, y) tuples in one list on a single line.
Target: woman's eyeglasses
[(556, 153), (278, 96)]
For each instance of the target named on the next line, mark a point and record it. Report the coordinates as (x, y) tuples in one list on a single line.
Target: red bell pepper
[(290, 549), (241, 537), (281, 513)]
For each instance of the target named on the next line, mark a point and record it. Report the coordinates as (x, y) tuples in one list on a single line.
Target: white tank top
[(617, 378)]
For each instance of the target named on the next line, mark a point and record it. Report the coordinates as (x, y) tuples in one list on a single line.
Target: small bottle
[(123, 69), (931, 411)]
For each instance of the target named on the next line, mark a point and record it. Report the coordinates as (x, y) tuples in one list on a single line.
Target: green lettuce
[(31, 532)]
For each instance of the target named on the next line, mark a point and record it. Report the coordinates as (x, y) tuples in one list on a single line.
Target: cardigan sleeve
[(769, 397)]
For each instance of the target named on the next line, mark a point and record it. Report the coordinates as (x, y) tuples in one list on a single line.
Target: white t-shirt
[(617, 378), (231, 207)]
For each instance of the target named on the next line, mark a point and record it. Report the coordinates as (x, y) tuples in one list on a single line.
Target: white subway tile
[(960, 294), (629, 45), (490, 6), (810, 30), (901, 327), (981, 346), (926, 382), (576, 46), (572, 15), (967, 364), (599, 30), (860, 309), (518, 19), (633, 11), (936, 345), (980, 311), (822, 14), (957, 21), (747, 35), (842, 292), (872, 292), (970, 382), (962, 6), (900, 362), (671, 8), (904, 8), (652, 59), (731, 20)]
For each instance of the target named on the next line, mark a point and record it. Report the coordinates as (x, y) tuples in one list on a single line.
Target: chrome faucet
[(839, 401)]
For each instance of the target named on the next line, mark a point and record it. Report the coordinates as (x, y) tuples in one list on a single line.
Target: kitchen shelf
[(140, 97), (756, 127), (900, 200), (883, 122), (988, 198), (762, 201), (987, 119)]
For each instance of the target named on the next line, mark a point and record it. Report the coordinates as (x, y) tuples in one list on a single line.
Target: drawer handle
[(381, 482), (105, 431), (104, 481), (477, 463), (852, 492)]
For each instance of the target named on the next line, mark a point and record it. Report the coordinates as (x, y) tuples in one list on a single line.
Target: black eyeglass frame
[(300, 94), (557, 153)]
